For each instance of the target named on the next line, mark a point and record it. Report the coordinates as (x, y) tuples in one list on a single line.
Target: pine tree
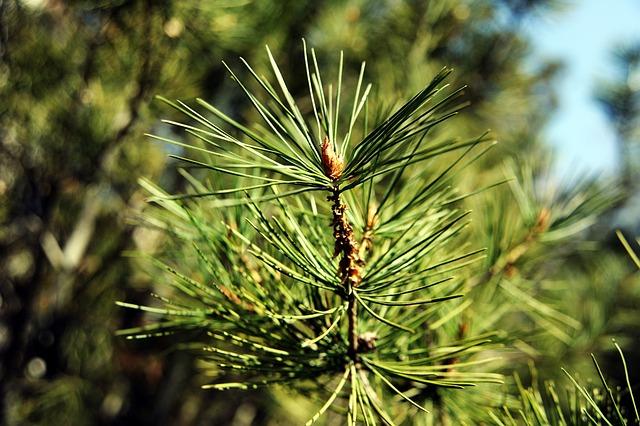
[(331, 254), (76, 79)]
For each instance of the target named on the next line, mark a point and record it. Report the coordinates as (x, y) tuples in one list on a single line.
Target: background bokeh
[(77, 80)]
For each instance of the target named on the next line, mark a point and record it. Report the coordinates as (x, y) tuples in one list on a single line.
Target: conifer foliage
[(325, 271)]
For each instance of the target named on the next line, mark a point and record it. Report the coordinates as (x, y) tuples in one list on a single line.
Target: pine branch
[(280, 306)]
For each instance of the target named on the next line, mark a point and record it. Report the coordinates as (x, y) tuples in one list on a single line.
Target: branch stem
[(346, 247)]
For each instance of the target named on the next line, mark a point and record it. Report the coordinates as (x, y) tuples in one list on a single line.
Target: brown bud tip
[(542, 221), (510, 270), (331, 162)]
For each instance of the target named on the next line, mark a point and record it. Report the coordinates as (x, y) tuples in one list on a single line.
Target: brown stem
[(349, 267)]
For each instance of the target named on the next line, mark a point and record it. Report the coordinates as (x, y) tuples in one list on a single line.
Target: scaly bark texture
[(349, 267)]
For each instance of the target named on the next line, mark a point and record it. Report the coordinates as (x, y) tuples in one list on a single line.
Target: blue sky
[(582, 35)]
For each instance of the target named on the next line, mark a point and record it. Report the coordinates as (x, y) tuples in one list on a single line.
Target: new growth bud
[(331, 162)]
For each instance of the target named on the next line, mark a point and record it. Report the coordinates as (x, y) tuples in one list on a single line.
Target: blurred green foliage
[(77, 80)]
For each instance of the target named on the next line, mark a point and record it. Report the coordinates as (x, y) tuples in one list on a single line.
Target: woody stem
[(349, 268)]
